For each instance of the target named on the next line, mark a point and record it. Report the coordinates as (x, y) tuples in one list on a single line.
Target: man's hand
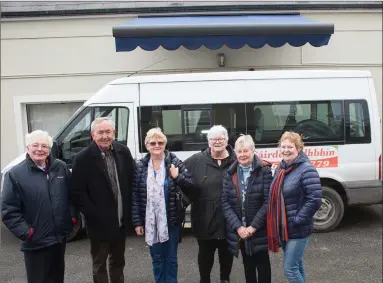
[(139, 230), (173, 171), (242, 232)]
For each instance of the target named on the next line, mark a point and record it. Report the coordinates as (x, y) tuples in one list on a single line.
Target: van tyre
[(331, 211)]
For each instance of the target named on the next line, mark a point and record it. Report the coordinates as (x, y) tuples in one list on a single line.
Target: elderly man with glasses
[(37, 210)]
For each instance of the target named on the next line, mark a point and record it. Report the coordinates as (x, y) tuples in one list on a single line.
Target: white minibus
[(335, 111)]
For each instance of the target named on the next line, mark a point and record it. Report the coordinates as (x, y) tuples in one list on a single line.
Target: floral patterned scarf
[(156, 224)]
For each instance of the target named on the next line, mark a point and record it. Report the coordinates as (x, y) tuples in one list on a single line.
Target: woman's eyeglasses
[(217, 140), (160, 143)]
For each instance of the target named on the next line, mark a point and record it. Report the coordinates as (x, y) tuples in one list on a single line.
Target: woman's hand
[(173, 171), (251, 230), (140, 230), (242, 232)]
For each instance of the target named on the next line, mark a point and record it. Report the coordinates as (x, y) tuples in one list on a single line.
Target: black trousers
[(206, 251), (114, 252), (257, 263), (46, 265)]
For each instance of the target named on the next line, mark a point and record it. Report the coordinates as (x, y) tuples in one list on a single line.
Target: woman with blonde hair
[(244, 204), (295, 196), (154, 204)]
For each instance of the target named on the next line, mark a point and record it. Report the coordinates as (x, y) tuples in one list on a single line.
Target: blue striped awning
[(213, 32)]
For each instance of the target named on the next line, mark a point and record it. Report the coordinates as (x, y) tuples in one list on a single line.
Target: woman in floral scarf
[(154, 204)]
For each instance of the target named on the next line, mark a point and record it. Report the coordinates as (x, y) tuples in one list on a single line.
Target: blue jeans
[(293, 260), (164, 257)]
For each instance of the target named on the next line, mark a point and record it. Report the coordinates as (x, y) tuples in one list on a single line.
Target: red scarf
[(276, 213)]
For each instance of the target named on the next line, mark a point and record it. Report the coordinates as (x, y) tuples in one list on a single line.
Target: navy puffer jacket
[(255, 206), (38, 199), (302, 192), (140, 188)]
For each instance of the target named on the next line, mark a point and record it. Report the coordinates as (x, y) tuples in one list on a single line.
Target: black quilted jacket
[(139, 188)]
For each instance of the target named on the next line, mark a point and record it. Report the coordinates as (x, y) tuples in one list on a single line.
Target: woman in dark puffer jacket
[(295, 196), (244, 204), (154, 204)]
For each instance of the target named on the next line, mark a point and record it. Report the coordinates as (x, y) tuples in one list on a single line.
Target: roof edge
[(240, 75), (198, 10)]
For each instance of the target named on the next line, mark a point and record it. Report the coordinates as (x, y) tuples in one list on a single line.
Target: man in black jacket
[(208, 223), (102, 177), (36, 209)]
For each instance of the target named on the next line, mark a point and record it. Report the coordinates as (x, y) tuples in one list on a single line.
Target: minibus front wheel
[(329, 215)]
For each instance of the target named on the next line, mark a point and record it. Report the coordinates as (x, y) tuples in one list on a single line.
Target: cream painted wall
[(65, 57)]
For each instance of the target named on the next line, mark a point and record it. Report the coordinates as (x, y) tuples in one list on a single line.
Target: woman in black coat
[(208, 223), (244, 204)]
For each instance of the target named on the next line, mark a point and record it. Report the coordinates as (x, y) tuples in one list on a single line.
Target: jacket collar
[(169, 156), (231, 158), (97, 151), (257, 162), (50, 162), (301, 158)]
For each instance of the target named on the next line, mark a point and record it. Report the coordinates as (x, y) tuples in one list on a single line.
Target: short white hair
[(244, 141), (99, 120), (216, 131), (32, 137)]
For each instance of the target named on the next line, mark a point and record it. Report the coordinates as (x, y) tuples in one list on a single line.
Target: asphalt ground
[(351, 253)]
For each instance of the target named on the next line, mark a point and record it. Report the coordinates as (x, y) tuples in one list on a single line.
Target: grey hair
[(217, 130), (35, 135), (244, 141), (155, 133), (99, 120)]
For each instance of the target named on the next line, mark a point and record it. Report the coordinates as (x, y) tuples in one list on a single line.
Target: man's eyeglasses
[(37, 146), (160, 143)]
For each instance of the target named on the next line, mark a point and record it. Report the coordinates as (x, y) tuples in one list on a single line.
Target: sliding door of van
[(77, 134)]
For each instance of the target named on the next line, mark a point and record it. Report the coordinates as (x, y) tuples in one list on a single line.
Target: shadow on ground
[(362, 217)]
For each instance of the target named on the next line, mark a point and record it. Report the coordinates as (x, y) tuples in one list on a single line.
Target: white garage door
[(50, 116)]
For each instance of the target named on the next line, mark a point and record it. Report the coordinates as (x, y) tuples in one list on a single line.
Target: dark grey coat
[(35, 198), (207, 218)]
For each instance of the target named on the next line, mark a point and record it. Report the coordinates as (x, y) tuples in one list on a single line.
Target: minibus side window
[(357, 122), (319, 122), (168, 118), (186, 126), (196, 122)]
